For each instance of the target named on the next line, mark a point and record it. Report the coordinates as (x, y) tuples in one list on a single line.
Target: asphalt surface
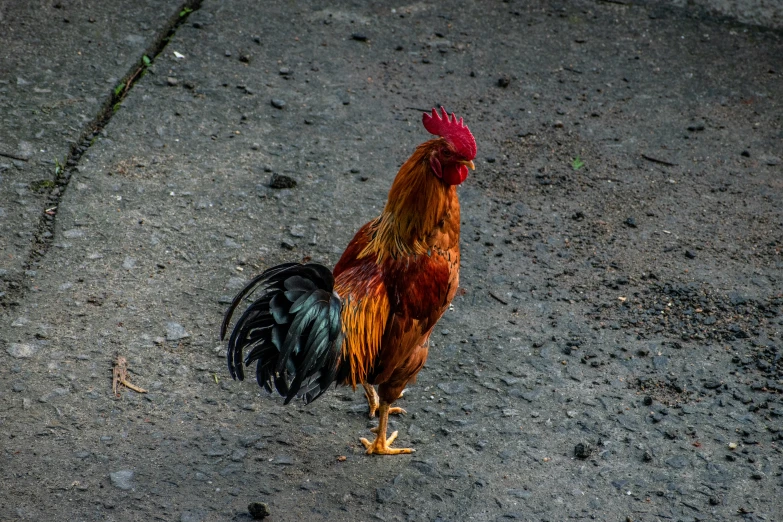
[(616, 351)]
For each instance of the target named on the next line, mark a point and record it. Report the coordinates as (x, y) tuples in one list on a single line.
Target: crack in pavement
[(43, 236)]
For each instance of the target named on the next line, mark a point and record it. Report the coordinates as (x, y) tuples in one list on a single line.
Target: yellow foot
[(380, 446)]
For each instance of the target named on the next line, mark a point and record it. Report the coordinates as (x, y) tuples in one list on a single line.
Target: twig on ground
[(120, 377)]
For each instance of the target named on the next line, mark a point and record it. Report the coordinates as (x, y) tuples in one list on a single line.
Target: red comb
[(453, 131)]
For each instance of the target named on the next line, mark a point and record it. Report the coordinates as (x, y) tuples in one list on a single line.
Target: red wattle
[(455, 174)]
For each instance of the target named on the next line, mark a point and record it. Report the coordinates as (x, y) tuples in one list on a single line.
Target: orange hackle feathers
[(416, 204)]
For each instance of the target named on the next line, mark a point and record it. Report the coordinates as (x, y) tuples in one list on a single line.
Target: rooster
[(368, 321)]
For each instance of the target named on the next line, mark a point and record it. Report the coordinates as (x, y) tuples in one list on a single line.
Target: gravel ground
[(615, 352)]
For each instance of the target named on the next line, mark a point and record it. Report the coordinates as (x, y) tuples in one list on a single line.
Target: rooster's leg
[(372, 401), (380, 446)]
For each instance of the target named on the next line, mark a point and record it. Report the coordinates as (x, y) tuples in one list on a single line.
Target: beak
[(469, 164)]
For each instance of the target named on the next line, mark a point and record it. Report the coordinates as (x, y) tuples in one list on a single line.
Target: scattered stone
[(284, 71), (677, 461), (21, 351), (359, 37), (287, 244), (297, 231), (244, 58), (583, 450), (172, 82), (504, 81), (277, 103), (690, 255), (258, 510), (122, 479), (630, 222), (175, 332), (745, 153), (279, 181), (385, 494)]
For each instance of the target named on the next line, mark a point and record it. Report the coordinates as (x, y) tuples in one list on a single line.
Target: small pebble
[(359, 37), (175, 332), (280, 181), (173, 82), (258, 510), (122, 479), (583, 450), (278, 103)]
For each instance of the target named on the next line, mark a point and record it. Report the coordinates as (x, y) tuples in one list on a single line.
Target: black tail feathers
[(293, 331)]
